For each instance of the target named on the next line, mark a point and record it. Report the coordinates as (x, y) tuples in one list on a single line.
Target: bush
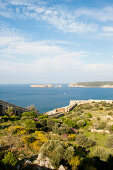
[(74, 162), (101, 125), (9, 111), (50, 123), (40, 138), (57, 151), (9, 159), (30, 124), (72, 137), (101, 153), (70, 123), (100, 108), (83, 141), (81, 123), (109, 142), (63, 129), (31, 114), (111, 128), (15, 129), (96, 105)]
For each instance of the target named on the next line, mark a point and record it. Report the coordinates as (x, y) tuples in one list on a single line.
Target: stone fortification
[(78, 102), (72, 104)]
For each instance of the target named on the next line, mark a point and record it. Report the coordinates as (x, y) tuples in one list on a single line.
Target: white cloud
[(56, 16), (107, 29)]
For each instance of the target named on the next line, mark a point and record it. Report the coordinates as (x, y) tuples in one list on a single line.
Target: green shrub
[(101, 125), (42, 116), (111, 128), (9, 111), (109, 142), (30, 124), (9, 159), (57, 151), (31, 114), (100, 108), (50, 123), (83, 141), (96, 105), (63, 129), (81, 123), (101, 153), (70, 123)]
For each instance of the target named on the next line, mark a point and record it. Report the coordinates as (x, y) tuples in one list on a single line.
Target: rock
[(28, 162), (43, 162), (61, 167)]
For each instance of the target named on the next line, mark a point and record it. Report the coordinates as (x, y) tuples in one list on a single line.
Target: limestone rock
[(43, 162), (61, 167)]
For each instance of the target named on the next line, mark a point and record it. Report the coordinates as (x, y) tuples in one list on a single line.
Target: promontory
[(102, 84)]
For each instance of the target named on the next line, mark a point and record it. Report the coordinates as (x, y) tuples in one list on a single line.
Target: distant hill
[(104, 84)]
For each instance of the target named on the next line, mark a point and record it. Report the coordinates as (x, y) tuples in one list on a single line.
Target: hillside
[(81, 139), (104, 84)]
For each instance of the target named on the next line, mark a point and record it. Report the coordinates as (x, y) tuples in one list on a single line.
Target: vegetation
[(81, 139), (95, 84)]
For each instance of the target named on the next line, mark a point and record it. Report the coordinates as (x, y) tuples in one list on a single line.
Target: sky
[(56, 41)]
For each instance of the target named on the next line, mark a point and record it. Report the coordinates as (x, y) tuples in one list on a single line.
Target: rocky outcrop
[(43, 162)]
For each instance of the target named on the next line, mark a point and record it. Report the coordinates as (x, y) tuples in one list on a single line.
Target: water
[(46, 99)]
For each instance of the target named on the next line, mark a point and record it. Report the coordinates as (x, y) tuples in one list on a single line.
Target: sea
[(46, 99)]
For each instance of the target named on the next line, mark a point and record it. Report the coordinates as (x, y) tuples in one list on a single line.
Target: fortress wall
[(78, 102)]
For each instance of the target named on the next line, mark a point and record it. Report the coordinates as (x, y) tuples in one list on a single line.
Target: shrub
[(40, 138), (30, 124), (15, 129), (109, 142), (70, 123), (31, 114), (72, 137), (9, 159), (50, 123), (101, 125), (9, 111), (110, 113), (111, 128), (96, 105), (83, 141), (57, 150), (28, 139), (55, 128), (42, 116), (100, 108), (101, 153), (63, 129), (74, 162), (81, 123), (89, 115)]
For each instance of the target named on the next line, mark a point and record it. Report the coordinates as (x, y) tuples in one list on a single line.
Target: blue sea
[(46, 99)]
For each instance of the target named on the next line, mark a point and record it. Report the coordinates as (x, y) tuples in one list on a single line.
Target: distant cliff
[(104, 84)]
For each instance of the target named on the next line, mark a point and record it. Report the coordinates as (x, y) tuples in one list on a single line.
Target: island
[(102, 84), (45, 85)]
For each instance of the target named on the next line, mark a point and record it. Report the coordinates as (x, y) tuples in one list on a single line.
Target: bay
[(46, 99)]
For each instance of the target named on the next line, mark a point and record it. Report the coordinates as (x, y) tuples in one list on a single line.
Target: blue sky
[(56, 41)]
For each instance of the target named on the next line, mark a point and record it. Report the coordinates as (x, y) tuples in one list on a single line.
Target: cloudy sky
[(56, 41)]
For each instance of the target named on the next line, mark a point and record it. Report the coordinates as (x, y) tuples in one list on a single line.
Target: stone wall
[(78, 102)]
